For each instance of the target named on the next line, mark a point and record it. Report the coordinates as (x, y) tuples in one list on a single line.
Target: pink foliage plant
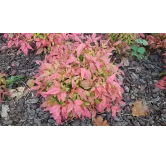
[(77, 79)]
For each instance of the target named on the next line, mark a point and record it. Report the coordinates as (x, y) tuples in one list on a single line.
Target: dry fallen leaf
[(139, 109), (125, 61), (30, 83), (99, 121), (17, 93)]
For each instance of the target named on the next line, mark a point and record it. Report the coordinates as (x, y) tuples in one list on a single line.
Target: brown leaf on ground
[(125, 61), (99, 121), (30, 83), (17, 93), (139, 109)]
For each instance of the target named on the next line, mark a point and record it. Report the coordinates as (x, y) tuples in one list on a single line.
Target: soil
[(138, 82)]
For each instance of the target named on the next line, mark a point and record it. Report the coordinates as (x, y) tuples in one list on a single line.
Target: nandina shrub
[(77, 79), (156, 40), (41, 42), (3, 90)]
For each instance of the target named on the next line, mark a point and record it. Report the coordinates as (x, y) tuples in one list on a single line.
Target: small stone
[(134, 63), (126, 89), (104, 115), (132, 97), (25, 117), (163, 111), (21, 102), (109, 115), (134, 76), (120, 78), (124, 123), (117, 119), (38, 110), (9, 122), (76, 123), (89, 124), (151, 121), (136, 123), (83, 124), (19, 108), (35, 106), (141, 122), (163, 115), (130, 117), (33, 101), (16, 120), (155, 95), (142, 81), (32, 112), (127, 98), (46, 115), (117, 124), (22, 71), (17, 63), (37, 121), (30, 117), (155, 74), (156, 89)]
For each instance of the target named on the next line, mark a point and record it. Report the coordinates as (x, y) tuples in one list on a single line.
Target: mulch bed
[(140, 77)]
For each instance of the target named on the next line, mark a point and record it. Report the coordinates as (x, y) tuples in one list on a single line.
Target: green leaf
[(141, 50), (139, 56), (81, 58), (14, 79), (97, 101), (133, 53), (162, 74), (139, 40), (134, 47), (144, 42)]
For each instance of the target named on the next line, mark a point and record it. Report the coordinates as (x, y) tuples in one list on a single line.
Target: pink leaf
[(38, 44), (77, 107), (85, 74), (51, 92), (64, 112), (80, 48), (92, 67), (51, 36), (40, 50), (117, 43), (61, 96), (86, 113), (10, 43), (82, 93), (111, 79), (70, 107), (115, 109), (6, 35)]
